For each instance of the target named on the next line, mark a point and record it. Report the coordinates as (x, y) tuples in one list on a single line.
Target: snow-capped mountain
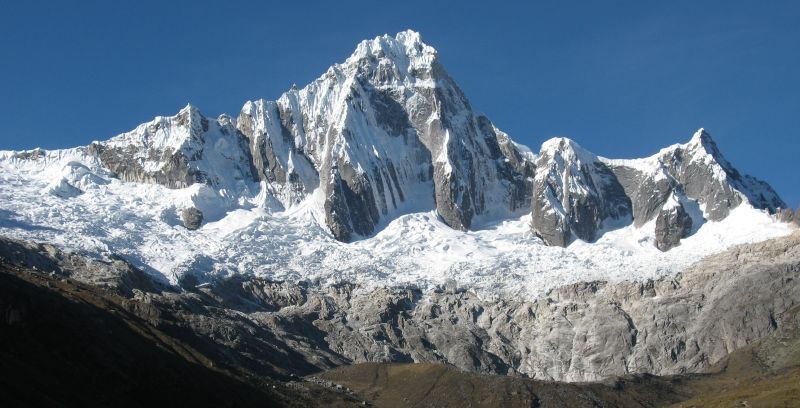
[(577, 195), (385, 152), (385, 133), (574, 194)]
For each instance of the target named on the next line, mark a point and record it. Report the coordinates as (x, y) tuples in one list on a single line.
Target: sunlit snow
[(141, 223)]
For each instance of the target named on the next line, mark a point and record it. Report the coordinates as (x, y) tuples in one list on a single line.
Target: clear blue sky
[(623, 78)]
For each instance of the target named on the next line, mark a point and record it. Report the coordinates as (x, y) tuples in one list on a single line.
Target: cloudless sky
[(622, 78)]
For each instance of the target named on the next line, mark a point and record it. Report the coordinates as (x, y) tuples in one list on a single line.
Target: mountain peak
[(190, 109), (406, 50), (568, 149), (706, 150), (410, 38), (702, 139)]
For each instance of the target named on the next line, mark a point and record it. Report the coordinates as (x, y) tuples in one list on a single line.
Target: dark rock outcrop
[(114, 274), (574, 194), (67, 343), (672, 224), (192, 218)]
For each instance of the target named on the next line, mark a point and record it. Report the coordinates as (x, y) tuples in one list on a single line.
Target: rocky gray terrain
[(730, 326), (582, 332)]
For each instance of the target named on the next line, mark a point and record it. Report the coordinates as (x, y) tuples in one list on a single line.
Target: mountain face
[(388, 132), (385, 133), (577, 194), (385, 152), (574, 194), (180, 151), (226, 235)]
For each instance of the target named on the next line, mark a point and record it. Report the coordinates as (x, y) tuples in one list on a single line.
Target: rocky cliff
[(577, 195), (385, 133), (581, 332)]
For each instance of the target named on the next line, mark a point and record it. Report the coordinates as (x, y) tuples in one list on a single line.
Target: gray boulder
[(192, 218)]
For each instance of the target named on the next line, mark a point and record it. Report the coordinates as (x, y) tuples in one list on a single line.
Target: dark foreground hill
[(64, 343)]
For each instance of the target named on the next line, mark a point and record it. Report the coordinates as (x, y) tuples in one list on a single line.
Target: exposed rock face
[(672, 224), (179, 151), (577, 194), (192, 218), (648, 193), (115, 274), (581, 332), (789, 215), (385, 133), (574, 194), (697, 170), (289, 173)]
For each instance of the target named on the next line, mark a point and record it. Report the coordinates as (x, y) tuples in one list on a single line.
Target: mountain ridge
[(336, 134), (383, 152)]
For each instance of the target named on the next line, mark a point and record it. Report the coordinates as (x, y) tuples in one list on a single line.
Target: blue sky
[(622, 78)]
